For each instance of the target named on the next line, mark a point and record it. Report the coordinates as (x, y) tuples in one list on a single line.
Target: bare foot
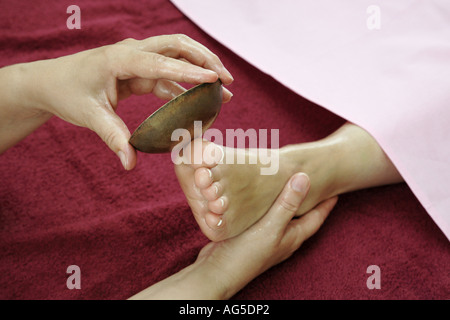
[(228, 193), (228, 198)]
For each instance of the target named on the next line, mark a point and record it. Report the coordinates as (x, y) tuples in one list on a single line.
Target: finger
[(288, 202), (136, 86), (113, 131), (132, 63), (182, 46), (226, 94), (301, 229), (166, 89)]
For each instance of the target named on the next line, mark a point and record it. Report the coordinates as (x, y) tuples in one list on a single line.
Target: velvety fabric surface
[(65, 199)]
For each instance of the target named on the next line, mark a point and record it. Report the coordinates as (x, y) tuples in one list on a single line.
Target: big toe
[(200, 153), (203, 178)]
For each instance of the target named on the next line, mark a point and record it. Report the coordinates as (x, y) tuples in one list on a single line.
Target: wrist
[(22, 90), (215, 281), (18, 114)]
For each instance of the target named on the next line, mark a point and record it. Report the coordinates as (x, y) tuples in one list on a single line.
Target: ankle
[(317, 160), (359, 162)]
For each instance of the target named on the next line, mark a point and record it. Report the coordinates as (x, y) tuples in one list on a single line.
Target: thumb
[(289, 200), (113, 131)]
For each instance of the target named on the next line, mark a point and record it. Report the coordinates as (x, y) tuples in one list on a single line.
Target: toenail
[(210, 173), (223, 154), (216, 188), (219, 223), (222, 202)]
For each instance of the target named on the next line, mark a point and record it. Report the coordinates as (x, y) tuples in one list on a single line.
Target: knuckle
[(287, 205), (157, 63), (179, 41), (182, 41), (109, 138), (107, 51), (119, 58), (111, 52), (215, 57), (159, 58), (127, 41), (181, 37)]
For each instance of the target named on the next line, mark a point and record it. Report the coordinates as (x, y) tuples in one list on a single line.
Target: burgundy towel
[(65, 199)]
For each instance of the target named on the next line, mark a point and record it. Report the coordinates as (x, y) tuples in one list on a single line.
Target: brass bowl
[(200, 103)]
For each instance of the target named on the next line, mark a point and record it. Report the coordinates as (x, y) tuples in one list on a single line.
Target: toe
[(200, 153), (218, 206), (203, 178), (212, 192), (212, 154), (214, 221)]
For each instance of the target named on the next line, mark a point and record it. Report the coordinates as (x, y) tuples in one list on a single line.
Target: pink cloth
[(393, 81)]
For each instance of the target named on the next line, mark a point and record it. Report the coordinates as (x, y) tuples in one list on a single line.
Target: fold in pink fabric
[(383, 65)]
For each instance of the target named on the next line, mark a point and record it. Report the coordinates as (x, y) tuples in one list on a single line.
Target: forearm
[(19, 114), (195, 282)]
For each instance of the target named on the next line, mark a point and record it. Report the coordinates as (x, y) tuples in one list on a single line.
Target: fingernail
[(229, 73), (300, 182), (123, 159), (225, 90)]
